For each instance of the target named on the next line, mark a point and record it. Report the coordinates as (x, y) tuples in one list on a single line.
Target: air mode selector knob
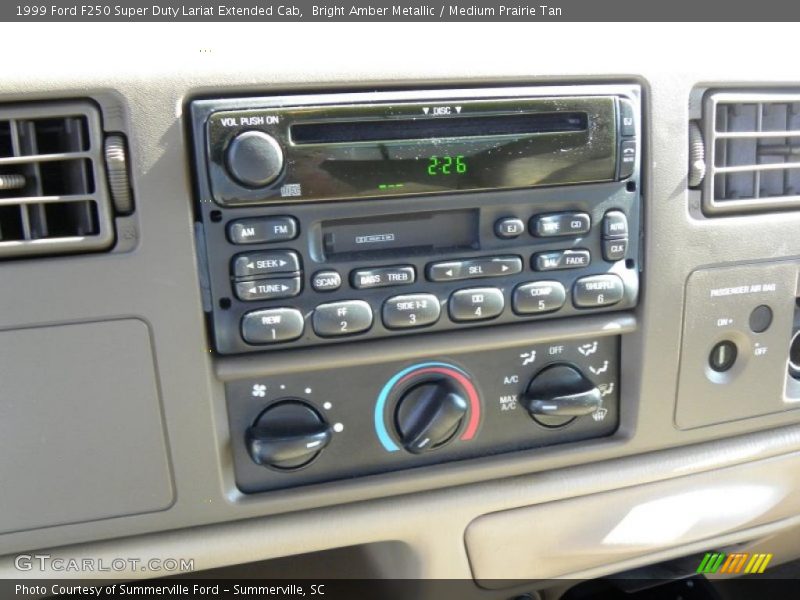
[(254, 159), (429, 415), (559, 393), (287, 435)]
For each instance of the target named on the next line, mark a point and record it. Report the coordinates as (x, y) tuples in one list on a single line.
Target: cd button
[(598, 290), (326, 281), (560, 224), (272, 325), (268, 289), (538, 297), (365, 279), (262, 230), (476, 304), (509, 228), (412, 310), (342, 318), (474, 268), (265, 263), (562, 259)]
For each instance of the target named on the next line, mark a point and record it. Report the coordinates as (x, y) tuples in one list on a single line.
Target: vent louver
[(752, 143), (53, 190)]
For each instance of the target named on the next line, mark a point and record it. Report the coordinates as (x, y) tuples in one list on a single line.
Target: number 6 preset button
[(342, 318), (411, 310)]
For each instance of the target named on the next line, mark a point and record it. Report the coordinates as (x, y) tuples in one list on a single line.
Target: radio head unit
[(339, 217)]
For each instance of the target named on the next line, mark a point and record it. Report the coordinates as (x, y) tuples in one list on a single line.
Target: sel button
[(597, 290), (342, 318), (476, 304), (538, 297), (272, 325), (412, 310)]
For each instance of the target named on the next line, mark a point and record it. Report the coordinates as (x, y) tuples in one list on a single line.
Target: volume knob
[(254, 159)]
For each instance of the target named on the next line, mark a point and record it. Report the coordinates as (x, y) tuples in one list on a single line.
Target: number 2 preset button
[(538, 297), (272, 325), (342, 318)]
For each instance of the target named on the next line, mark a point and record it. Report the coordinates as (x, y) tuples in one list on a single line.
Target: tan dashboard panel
[(567, 538)]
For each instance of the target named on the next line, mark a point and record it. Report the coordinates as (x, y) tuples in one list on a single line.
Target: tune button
[(597, 290), (272, 325), (342, 318), (476, 304), (364, 279), (538, 297), (268, 289), (411, 310)]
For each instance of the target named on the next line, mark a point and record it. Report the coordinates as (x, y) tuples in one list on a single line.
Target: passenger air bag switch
[(722, 356)]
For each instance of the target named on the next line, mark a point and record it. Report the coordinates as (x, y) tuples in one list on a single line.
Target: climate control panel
[(317, 426)]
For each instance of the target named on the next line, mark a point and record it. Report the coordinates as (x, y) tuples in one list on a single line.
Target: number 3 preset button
[(411, 310), (342, 318)]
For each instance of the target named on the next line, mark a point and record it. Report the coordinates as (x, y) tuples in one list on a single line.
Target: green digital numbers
[(446, 165)]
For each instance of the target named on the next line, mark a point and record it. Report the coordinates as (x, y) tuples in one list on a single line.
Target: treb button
[(364, 279)]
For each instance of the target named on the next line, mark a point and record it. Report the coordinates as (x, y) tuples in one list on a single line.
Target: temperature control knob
[(287, 435), (428, 415), (559, 393), (254, 159)]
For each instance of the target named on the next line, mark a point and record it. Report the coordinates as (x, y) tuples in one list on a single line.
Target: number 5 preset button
[(342, 318)]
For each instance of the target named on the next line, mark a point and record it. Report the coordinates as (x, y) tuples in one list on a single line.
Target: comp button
[(538, 297)]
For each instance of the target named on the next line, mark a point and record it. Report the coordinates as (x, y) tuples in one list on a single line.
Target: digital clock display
[(447, 165)]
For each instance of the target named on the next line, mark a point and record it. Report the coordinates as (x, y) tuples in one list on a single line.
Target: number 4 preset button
[(342, 318)]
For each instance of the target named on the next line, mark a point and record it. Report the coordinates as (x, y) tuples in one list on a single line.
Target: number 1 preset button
[(272, 325), (342, 318)]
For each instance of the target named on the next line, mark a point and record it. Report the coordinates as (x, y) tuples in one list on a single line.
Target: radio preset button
[(272, 325), (254, 158), (538, 297), (509, 228), (598, 290), (342, 318), (326, 281), (364, 279), (268, 289), (474, 268), (561, 259), (476, 304), (614, 250), (560, 224), (255, 264), (411, 310), (264, 230)]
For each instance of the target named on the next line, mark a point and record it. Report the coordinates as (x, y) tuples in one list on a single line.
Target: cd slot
[(334, 132)]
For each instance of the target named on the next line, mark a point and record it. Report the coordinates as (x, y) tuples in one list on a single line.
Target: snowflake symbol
[(259, 390)]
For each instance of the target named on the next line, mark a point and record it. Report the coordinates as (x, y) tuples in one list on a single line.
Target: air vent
[(53, 189), (752, 143)]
